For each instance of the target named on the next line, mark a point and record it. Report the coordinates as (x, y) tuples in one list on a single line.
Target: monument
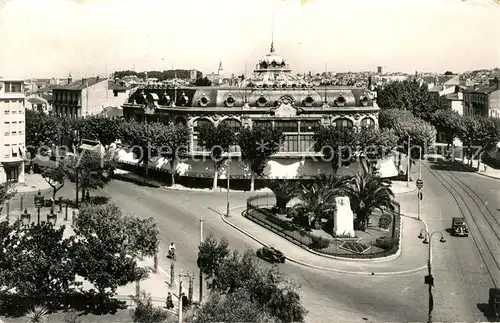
[(343, 219)]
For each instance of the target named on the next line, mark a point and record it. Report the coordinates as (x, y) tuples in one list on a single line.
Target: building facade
[(483, 100), (81, 98), (272, 96), (12, 136)]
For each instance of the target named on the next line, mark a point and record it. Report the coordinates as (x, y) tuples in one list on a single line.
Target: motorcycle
[(171, 255)]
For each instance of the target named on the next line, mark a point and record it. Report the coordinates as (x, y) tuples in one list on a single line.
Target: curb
[(408, 192), (475, 172), (319, 267)]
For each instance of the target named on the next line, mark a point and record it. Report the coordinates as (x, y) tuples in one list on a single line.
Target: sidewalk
[(155, 284), (409, 260), (32, 183), (484, 169)]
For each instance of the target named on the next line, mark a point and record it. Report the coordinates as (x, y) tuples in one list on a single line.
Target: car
[(271, 255), (494, 302), (459, 227)]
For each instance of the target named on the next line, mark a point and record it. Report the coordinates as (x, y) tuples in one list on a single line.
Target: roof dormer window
[(184, 99), (261, 101), (340, 100), (203, 100), (229, 101), (308, 101), (364, 101)]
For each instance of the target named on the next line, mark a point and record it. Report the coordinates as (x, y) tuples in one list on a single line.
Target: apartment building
[(483, 100), (12, 127)]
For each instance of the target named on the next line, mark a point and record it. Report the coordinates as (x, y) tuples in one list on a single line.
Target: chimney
[(70, 79)]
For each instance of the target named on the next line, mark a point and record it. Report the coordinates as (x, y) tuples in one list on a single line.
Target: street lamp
[(26, 217), (231, 150), (52, 217), (429, 279), (39, 200)]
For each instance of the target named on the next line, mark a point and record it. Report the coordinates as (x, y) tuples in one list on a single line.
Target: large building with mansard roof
[(273, 96)]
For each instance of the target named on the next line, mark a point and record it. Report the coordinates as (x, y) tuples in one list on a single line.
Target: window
[(14, 150), (367, 122), (306, 143), (13, 87), (343, 123), (14, 133), (198, 124), (234, 124), (262, 123), (290, 129), (6, 151), (7, 128), (20, 132)]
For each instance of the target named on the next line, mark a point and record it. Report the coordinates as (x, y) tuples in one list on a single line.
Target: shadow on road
[(450, 166), (486, 310)]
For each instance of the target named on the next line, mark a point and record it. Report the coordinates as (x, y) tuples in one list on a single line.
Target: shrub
[(319, 243), (385, 221), (145, 312), (386, 243)]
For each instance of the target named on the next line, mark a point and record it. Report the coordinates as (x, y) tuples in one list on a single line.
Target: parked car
[(494, 302), (459, 227), (271, 255)]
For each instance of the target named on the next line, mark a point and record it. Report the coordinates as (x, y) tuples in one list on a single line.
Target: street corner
[(402, 188), (32, 183)]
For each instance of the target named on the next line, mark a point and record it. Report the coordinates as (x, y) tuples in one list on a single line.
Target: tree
[(387, 118), (422, 135), (408, 95), (449, 123), (203, 82), (217, 140), (144, 236), (211, 253), (318, 199), (145, 312), (7, 191), (375, 143), (237, 307), (55, 177), (257, 144), (479, 131), (102, 248), (139, 137), (266, 288), (284, 191), (102, 129), (368, 192), (41, 132), (172, 141), (449, 73), (93, 168), (337, 144), (40, 261)]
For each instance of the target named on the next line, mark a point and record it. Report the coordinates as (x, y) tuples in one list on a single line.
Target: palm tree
[(367, 193), (318, 198), (284, 191), (37, 314)]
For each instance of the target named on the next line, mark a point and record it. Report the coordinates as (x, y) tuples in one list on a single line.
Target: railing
[(293, 233)]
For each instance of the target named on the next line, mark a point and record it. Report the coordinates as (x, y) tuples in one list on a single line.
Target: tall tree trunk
[(216, 175), (252, 181)]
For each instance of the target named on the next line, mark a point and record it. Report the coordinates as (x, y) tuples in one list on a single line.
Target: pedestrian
[(170, 303)]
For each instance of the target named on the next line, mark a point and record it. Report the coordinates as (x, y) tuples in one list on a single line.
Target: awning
[(387, 168), (88, 147)]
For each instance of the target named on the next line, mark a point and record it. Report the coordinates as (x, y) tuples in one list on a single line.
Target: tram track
[(484, 228)]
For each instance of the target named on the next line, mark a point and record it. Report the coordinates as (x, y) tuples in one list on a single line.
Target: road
[(461, 277), (461, 280)]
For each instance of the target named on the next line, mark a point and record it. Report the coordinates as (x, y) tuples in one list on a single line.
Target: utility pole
[(180, 296), (409, 162), (228, 172), (201, 273)]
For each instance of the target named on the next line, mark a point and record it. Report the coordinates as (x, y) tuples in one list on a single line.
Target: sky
[(52, 38)]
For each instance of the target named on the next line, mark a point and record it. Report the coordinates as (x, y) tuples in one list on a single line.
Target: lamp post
[(76, 141), (26, 218), (181, 275), (429, 279), (39, 199), (409, 162), (199, 263), (231, 149), (52, 217)]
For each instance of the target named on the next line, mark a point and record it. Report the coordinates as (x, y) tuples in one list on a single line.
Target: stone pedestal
[(343, 219)]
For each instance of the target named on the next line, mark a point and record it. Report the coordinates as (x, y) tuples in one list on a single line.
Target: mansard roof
[(233, 97)]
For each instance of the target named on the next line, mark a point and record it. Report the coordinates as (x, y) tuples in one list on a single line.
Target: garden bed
[(363, 246)]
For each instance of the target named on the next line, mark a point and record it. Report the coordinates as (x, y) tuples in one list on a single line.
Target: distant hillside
[(164, 75)]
